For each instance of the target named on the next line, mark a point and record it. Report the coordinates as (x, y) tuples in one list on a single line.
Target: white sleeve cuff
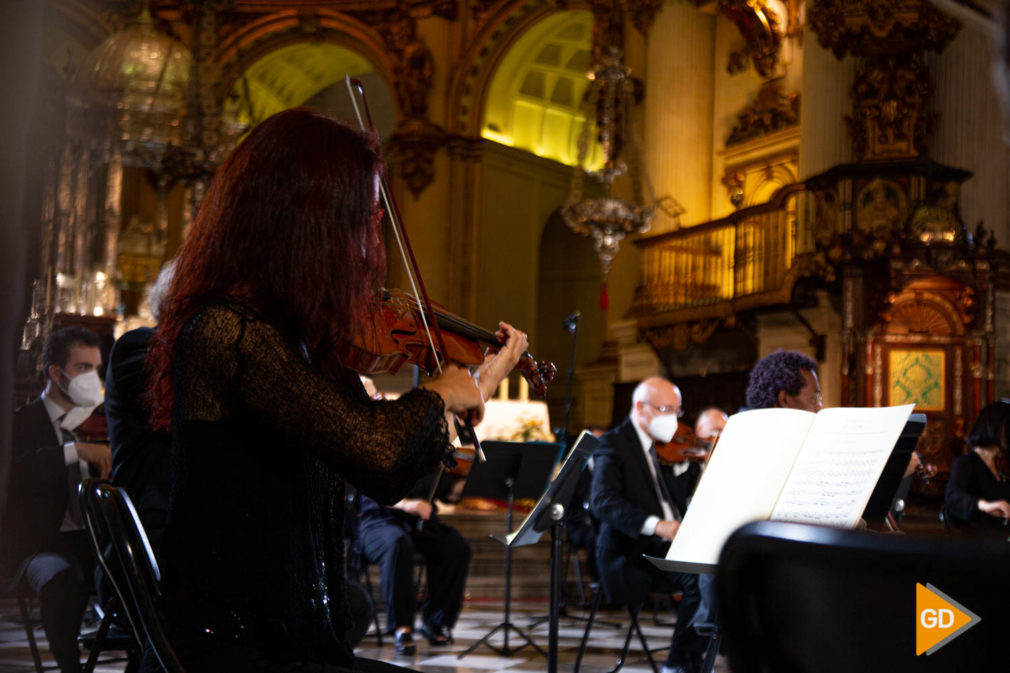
[(70, 456), (649, 527)]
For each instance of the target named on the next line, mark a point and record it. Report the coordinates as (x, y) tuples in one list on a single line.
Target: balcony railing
[(743, 259)]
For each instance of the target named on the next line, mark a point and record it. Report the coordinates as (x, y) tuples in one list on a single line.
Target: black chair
[(109, 635), (129, 566), (355, 563), (802, 599), (633, 629), (16, 589)]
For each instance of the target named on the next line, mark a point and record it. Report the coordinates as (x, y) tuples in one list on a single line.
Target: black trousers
[(62, 581), (447, 560), (629, 580)]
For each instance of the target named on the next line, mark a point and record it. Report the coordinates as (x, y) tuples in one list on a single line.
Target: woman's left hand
[(497, 365)]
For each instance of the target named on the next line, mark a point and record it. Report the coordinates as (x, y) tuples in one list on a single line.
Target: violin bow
[(464, 429)]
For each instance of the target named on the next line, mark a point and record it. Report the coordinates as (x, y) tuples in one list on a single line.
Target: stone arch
[(472, 80), (776, 177), (246, 46)]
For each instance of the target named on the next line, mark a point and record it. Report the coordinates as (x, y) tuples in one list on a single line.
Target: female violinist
[(282, 266), (978, 493)]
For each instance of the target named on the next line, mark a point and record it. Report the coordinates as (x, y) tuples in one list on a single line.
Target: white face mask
[(84, 390), (663, 427)]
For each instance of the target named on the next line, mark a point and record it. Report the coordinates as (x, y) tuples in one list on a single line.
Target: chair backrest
[(130, 565), (801, 599)]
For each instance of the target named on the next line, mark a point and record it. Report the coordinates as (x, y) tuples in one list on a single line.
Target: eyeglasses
[(668, 409)]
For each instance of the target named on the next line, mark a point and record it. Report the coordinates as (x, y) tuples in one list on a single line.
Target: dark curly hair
[(774, 372), (990, 425)]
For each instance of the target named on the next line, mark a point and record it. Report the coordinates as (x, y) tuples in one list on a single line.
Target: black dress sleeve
[(382, 447)]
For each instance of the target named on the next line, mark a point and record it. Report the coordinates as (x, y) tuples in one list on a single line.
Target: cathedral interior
[(671, 188), (698, 182)]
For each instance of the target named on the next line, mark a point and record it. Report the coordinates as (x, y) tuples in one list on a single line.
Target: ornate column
[(891, 112)]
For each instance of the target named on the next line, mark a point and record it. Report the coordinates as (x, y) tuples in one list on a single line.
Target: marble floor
[(476, 620)]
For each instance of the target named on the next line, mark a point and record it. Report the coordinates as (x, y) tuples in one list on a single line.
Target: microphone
[(571, 320)]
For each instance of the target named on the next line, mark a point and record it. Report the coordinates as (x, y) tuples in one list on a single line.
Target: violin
[(685, 445), (402, 339), (95, 427)]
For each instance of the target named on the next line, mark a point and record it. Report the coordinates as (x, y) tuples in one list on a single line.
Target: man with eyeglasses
[(639, 509)]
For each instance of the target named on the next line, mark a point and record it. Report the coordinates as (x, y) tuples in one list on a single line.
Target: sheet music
[(842, 458), (742, 480), (787, 464)]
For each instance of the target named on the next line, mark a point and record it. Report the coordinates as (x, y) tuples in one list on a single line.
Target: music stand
[(891, 478), (548, 514), (512, 470)]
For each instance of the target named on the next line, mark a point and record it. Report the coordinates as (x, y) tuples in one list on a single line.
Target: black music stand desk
[(512, 470)]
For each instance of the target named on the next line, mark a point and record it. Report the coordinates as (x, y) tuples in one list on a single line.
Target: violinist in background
[(711, 421), (640, 514), (391, 535), (978, 493), (279, 274), (45, 547)]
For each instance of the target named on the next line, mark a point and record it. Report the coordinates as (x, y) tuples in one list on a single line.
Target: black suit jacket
[(38, 495), (623, 495), (140, 454)]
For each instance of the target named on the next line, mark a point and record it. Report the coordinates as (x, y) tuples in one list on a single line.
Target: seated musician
[(45, 549), (640, 514), (390, 537), (140, 453), (710, 422), (784, 379), (978, 493)]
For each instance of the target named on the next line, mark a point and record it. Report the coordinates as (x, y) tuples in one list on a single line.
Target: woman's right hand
[(997, 508), (459, 392)]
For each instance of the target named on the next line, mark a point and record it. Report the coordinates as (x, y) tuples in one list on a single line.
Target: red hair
[(288, 228)]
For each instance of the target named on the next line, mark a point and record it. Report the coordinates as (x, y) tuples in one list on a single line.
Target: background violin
[(95, 427), (684, 446)]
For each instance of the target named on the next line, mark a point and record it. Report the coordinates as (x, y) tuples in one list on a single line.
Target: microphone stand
[(570, 325)]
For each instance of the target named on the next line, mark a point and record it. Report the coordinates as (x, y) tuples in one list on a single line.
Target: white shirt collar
[(52, 408)]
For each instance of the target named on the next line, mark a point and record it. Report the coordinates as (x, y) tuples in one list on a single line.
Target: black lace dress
[(262, 444)]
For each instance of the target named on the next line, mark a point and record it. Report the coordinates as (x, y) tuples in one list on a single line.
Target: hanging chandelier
[(136, 81), (625, 206)]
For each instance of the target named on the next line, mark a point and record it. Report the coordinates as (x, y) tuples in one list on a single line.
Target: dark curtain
[(20, 48)]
